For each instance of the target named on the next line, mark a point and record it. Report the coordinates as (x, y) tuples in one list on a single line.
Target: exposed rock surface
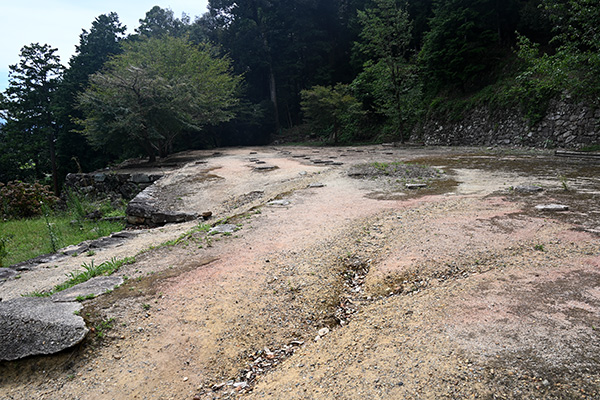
[(144, 210), (6, 273), (224, 228), (33, 326), (94, 287), (528, 188)]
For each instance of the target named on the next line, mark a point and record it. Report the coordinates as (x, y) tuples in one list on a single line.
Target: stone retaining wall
[(110, 184), (566, 125)]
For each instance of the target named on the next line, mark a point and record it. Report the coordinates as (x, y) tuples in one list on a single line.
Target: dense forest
[(341, 71)]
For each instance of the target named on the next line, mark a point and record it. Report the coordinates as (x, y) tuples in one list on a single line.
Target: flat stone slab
[(6, 273), (552, 207), (323, 162), (95, 286), (224, 228), (32, 326), (143, 210), (281, 203), (415, 185), (528, 189), (264, 167)]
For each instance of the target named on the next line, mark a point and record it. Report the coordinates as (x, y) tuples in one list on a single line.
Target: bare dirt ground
[(458, 290)]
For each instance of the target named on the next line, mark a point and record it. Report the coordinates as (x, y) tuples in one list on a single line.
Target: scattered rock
[(323, 331), (95, 286), (316, 185), (206, 215), (223, 229), (552, 207), (32, 326)]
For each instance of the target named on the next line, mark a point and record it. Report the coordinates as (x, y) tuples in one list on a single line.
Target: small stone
[(224, 228), (316, 185), (552, 207), (279, 203), (117, 356), (185, 378), (323, 331)]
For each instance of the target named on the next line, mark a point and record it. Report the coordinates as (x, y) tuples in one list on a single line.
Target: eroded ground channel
[(339, 281)]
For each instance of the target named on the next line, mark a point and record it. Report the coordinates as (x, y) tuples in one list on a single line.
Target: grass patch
[(28, 238), (402, 172), (103, 327), (23, 239), (591, 148), (89, 271)]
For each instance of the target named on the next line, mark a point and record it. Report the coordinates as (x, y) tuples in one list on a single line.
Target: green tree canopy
[(464, 41), (388, 77), (30, 132), (331, 109), (155, 90), (96, 46), (162, 22)]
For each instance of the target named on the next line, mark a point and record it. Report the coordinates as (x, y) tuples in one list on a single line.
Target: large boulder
[(32, 326), (144, 210)]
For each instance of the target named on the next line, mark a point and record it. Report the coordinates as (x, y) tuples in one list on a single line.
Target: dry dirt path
[(458, 290)]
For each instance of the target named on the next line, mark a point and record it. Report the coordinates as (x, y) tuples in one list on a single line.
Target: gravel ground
[(347, 288)]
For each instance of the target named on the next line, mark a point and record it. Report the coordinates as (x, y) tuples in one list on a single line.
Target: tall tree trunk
[(273, 92), (52, 149)]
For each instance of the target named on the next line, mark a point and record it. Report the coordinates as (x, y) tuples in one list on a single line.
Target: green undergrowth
[(28, 238), (22, 239), (402, 172), (591, 148)]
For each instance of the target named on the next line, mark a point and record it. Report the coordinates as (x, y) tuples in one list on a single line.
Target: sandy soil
[(458, 290)]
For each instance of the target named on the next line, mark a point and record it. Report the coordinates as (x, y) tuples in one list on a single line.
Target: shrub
[(331, 111), (23, 200)]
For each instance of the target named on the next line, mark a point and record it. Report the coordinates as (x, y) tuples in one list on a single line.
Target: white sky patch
[(59, 23)]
